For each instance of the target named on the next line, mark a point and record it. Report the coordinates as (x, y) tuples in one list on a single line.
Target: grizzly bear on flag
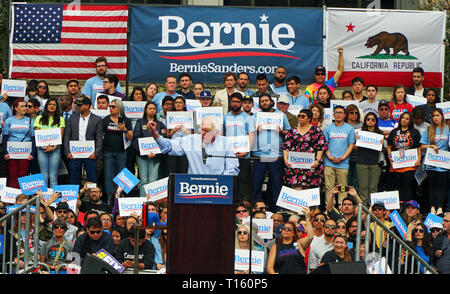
[(385, 41)]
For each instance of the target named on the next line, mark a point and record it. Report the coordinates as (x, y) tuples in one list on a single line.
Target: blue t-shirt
[(339, 138), (269, 141), (5, 111), (441, 141), (94, 85), (384, 124), (159, 98), (19, 129), (279, 90), (299, 100), (188, 95), (238, 125)]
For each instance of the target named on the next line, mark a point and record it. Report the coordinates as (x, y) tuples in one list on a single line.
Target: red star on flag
[(350, 27)]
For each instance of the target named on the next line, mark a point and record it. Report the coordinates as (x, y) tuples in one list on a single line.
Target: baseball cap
[(62, 205), (383, 103), (283, 99), (320, 68), (379, 204), (205, 94), (83, 100), (413, 203), (247, 97)]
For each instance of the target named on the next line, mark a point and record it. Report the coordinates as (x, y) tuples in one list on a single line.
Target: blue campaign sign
[(207, 42), (30, 184), (69, 192), (126, 180), (13, 207), (399, 223), (203, 189)]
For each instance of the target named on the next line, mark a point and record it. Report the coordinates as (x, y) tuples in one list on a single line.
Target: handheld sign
[(148, 145), (19, 150), (415, 100), (9, 195), (193, 104), (48, 137), (110, 98), (265, 228), (407, 160), (203, 112), (344, 103), (445, 106), (69, 192), (157, 190), (106, 257), (82, 149), (31, 184), (126, 180), (327, 116), (301, 160), (240, 143), (370, 140), (176, 118), (13, 207), (295, 109), (14, 88), (242, 260), (391, 199), (433, 221), (134, 109), (399, 223), (128, 205), (441, 159), (295, 200), (269, 120)]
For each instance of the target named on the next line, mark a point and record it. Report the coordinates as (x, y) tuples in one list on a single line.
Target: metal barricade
[(30, 262), (399, 258)]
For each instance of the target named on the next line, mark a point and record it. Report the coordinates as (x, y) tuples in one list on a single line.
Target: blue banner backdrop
[(207, 42)]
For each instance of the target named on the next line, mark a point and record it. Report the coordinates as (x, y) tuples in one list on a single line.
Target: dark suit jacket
[(94, 132)]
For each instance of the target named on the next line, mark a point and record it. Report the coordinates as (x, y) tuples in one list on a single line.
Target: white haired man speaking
[(207, 153)]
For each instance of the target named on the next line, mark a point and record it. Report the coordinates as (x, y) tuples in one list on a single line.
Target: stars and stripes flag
[(52, 41)]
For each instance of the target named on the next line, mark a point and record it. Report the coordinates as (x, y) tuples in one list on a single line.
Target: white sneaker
[(439, 211), (433, 210)]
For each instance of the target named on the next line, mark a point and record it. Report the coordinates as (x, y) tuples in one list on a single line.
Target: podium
[(201, 224)]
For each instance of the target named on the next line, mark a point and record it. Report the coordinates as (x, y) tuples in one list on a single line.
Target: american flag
[(51, 41)]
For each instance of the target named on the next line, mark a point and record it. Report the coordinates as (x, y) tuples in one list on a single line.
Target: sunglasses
[(62, 211), (383, 108), (319, 220), (303, 116), (435, 230), (377, 208), (320, 74), (42, 87), (289, 229), (340, 227), (30, 106), (418, 230), (242, 232), (330, 226), (98, 232), (59, 227), (112, 106), (370, 119), (241, 211), (353, 112), (2, 207)]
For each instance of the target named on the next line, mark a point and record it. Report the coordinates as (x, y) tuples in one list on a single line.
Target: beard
[(280, 80)]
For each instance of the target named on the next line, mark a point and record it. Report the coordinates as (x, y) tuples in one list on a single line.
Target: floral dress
[(312, 141)]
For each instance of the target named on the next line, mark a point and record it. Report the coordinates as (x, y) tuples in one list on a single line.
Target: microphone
[(204, 155)]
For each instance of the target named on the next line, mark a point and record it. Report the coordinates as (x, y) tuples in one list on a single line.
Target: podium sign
[(201, 224)]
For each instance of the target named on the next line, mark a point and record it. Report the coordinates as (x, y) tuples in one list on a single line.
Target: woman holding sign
[(306, 138), (367, 166), (178, 164), (402, 139), (18, 143), (148, 164), (434, 140), (49, 157)]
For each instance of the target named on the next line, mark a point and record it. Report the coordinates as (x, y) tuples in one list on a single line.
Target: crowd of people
[(345, 173)]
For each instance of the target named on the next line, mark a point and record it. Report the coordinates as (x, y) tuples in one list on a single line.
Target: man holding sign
[(83, 127), (238, 123)]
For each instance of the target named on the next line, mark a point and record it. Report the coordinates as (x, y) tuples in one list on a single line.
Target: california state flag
[(384, 46)]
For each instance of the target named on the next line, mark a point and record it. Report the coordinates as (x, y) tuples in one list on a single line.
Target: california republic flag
[(384, 46)]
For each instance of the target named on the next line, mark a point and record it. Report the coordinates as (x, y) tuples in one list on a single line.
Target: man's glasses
[(320, 74), (62, 211), (59, 227), (302, 116), (330, 226), (384, 109), (97, 232)]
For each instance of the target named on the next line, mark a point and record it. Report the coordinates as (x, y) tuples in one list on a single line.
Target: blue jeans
[(49, 164), (90, 166), (275, 169), (148, 172), (113, 163)]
